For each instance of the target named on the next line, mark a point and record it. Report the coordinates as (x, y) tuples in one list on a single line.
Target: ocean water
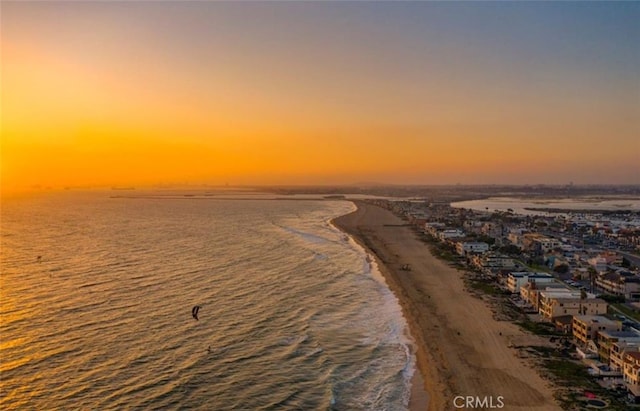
[(96, 296)]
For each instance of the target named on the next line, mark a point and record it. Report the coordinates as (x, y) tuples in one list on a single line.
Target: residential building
[(449, 234), (554, 304), (433, 228), (617, 352), (530, 292), (586, 327), (493, 262), (543, 245), (471, 247), (516, 237), (611, 257), (622, 283), (631, 373), (606, 340), (515, 280)]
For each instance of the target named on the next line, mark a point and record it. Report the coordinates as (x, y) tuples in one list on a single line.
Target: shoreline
[(461, 350), (419, 396)]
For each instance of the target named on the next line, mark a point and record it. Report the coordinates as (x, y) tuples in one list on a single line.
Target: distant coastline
[(544, 205)]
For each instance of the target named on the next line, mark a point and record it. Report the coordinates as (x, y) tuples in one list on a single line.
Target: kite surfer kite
[(194, 311)]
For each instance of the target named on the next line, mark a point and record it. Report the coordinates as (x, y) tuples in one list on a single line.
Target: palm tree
[(583, 296), (592, 278)]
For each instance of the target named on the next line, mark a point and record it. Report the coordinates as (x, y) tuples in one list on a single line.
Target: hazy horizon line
[(309, 185)]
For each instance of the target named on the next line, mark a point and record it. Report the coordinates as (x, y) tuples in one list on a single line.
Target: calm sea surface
[(96, 298)]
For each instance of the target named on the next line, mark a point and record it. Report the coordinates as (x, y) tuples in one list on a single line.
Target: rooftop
[(577, 299), (620, 334), (522, 274), (596, 319)]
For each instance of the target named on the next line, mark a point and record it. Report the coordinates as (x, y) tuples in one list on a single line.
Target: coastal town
[(572, 277)]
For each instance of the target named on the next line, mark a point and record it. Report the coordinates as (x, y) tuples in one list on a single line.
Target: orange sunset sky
[(142, 93)]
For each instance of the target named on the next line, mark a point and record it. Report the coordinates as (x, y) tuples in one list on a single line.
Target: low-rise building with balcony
[(617, 352), (493, 262), (606, 340), (515, 280), (631, 372), (530, 292), (554, 304), (586, 327), (622, 283), (471, 247)]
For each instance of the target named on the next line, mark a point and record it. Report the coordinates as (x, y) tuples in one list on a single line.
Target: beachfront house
[(631, 375), (465, 248), (432, 228), (607, 339), (617, 352), (445, 235), (632, 368), (598, 263), (556, 303), (493, 262), (530, 292), (585, 328), (515, 280)]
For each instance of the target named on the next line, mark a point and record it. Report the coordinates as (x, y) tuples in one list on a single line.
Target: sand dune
[(462, 349)]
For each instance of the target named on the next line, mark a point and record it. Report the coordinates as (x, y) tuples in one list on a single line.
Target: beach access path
[(462, 351)]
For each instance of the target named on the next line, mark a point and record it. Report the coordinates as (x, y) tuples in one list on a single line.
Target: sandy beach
[(461, 349)]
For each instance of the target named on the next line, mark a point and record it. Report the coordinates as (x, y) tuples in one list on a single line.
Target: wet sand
[(461, 349)]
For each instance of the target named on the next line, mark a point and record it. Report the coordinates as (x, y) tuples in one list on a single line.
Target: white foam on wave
[(397, 330), (388, 325), (309, 237)]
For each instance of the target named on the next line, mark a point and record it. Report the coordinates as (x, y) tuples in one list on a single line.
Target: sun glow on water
[(290, 314)]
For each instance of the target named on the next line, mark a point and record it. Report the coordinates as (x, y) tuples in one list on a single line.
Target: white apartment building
[(448, 234), (515, 280), (471, 247)]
